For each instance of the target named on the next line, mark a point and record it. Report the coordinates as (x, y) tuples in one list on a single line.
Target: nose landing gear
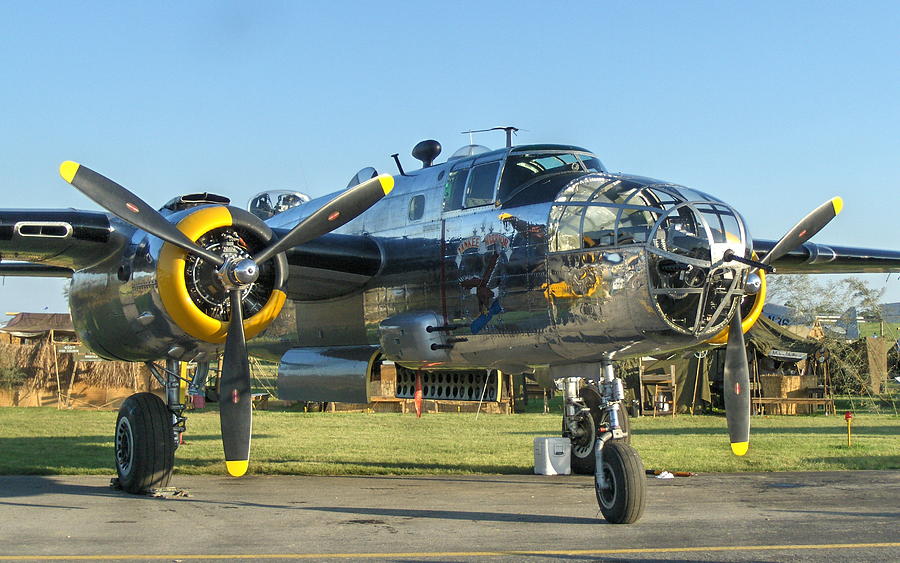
[(600, 433)]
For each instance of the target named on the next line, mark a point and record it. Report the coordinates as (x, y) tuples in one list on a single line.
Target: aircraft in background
[(528, 259)]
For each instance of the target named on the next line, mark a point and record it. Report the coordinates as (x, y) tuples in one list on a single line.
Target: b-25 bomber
[(529, 259)]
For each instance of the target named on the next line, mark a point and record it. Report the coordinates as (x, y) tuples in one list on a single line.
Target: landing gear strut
[(599, 430)]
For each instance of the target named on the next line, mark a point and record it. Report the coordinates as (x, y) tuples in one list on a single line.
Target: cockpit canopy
[(528, 174), (272, 202)]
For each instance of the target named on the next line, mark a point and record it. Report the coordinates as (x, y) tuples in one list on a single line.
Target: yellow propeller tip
[(387, 183), (505, 216), (68, 169), (838, 204), (237, 468), (739, 448)]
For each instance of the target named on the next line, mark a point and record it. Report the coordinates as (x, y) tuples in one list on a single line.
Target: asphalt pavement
[(834, 516)]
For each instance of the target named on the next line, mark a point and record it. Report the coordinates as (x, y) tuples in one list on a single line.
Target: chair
[(663, 390)]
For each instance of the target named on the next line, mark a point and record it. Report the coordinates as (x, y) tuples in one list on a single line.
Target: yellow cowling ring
[(174, 293)]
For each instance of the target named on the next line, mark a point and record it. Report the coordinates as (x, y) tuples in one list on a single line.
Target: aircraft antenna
[(396, 157), (508, 128)]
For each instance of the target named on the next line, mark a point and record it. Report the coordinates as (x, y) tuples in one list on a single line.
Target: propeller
[(805, 229), (737, 372), (130, 208), (737, 387), (235, 409)]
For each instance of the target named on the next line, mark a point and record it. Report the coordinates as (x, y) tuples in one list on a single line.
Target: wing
[(331, 265), (53, 242), (812, 258)]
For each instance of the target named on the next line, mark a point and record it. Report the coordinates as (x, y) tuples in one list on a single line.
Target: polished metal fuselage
[(488, 272)]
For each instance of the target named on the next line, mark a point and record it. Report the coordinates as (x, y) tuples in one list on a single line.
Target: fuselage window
[(416, 207), (454, 188), (634, 226), (599, 226), (481, 184), (568, 232)]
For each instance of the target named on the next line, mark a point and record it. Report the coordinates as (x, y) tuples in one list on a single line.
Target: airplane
[(529, 259)]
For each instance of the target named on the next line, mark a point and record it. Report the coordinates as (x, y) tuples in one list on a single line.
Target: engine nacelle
[(154, 300), (337, 373)]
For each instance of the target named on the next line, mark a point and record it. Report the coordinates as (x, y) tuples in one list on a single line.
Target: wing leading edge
[(812, 258)]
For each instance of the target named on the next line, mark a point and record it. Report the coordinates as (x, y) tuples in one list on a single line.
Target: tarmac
[(834, 516)]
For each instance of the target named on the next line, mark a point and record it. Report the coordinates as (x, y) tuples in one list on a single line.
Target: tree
[(812, 297)]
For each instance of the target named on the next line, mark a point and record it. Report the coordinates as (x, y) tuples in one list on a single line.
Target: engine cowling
[(154, 300)]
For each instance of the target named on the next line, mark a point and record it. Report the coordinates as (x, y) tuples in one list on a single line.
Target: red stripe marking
[(132, 207), (334, 215)]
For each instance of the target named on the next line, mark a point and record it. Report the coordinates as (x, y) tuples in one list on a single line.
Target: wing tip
[(68, 169), (739, 448), (238, 467)]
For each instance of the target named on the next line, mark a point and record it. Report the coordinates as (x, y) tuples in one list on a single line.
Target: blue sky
[(772, 106)]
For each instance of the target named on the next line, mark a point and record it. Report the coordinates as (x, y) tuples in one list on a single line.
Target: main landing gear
[(598, 427), (145, 444), (148, 431)]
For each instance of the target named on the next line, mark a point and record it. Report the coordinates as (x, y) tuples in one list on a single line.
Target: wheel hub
[(583, 440), (607, 494), (124, 445)]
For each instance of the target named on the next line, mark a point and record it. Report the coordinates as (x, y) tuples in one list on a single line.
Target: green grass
[(48, 441)]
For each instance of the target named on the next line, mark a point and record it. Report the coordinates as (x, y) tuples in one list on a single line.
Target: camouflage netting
[(34, 361)]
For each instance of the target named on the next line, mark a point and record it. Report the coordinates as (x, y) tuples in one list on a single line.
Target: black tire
[(144, 443), (622, 502), (583, 449)]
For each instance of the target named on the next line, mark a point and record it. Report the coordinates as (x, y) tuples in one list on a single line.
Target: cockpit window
[(272, 202), (481, 185), (454, 187), (591, 163), (538, 177)]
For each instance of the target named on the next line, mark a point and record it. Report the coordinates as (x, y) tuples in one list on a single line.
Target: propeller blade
[(130, 208), (737, 387), (805, 229), (340, 210), (235, 408)]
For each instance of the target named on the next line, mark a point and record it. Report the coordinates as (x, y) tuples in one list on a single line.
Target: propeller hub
[(245, 272), (753, 284), (237, 274)]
